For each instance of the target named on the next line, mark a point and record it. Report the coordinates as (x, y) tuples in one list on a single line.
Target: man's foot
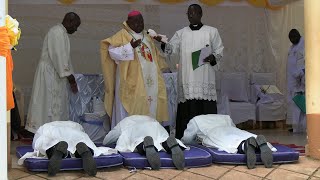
[(250, 146), (266, 153), (290, 130), (176, 152), (151, 153), (88, 163), (60, 150)]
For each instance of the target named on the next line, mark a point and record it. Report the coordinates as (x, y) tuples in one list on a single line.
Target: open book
[(199, 56)]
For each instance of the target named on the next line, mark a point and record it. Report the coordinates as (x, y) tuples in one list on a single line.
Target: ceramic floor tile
[(211, 171), (162, 173), (233, 174), (116, 173), (305, 166), (64, 175), (16, 173), (281, 174), (260, 170), (190, 176), (140, 176)]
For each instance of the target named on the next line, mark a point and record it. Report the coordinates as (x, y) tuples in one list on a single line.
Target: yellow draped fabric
[(211, 2), (66, 1), (132, 90)]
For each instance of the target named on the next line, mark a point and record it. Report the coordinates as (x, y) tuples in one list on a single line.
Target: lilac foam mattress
[(35, 164), (284, 154), (195, 157)]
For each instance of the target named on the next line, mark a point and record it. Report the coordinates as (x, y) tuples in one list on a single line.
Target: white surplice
[(132, 130), (71, 132), (199, 83), (217, 131), (49, 99)]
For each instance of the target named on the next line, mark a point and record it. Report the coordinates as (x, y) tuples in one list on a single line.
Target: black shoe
[(250, 146), (266, 153), (88, 163), (60, 151), (151, 153), (176, 153), (290, 130)]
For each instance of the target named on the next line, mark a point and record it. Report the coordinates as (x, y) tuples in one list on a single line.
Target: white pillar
[(3, 104), (312, 39)]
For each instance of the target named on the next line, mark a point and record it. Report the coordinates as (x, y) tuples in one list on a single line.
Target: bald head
[(71, 22), (294, 36)]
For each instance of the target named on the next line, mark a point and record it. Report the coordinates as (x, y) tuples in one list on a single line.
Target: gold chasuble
[(133, 94)]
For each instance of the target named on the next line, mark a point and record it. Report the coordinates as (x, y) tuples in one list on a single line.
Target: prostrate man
[(146, 136), (218, 131), (49, 98), (131, 66), (57, 139)]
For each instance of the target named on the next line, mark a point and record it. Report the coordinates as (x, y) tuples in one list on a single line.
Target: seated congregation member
[(218, 131), (61, 139), (131, 66), (146, 136)]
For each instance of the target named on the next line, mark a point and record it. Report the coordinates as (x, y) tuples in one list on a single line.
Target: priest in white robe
[(60, 139), (196, 87), (53, 77), (131, 66), (136, 133), (296, 80), (218, 131)]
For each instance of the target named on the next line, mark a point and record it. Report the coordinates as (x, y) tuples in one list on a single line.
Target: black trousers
[(190, 109)]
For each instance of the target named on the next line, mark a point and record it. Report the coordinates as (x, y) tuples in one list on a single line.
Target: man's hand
[(136, 43), (73, 83), (158, 38), (211, 59)]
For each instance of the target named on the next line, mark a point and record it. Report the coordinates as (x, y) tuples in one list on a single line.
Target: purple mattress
[(195, 157), (35, 164), (283, 155)]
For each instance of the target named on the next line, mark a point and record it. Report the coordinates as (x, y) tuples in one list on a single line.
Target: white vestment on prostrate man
[(132, 130), (71, 132), (216, 131)]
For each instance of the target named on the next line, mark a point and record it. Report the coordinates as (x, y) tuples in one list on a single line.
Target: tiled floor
[(306, 168)]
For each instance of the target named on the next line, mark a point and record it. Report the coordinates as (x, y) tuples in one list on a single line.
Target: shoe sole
[(176, 153), (266, 153), (88, 163), (56, 158), (251, 153), (151, 153)]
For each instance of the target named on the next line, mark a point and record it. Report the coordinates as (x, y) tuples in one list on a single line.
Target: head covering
[(134, 13)]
